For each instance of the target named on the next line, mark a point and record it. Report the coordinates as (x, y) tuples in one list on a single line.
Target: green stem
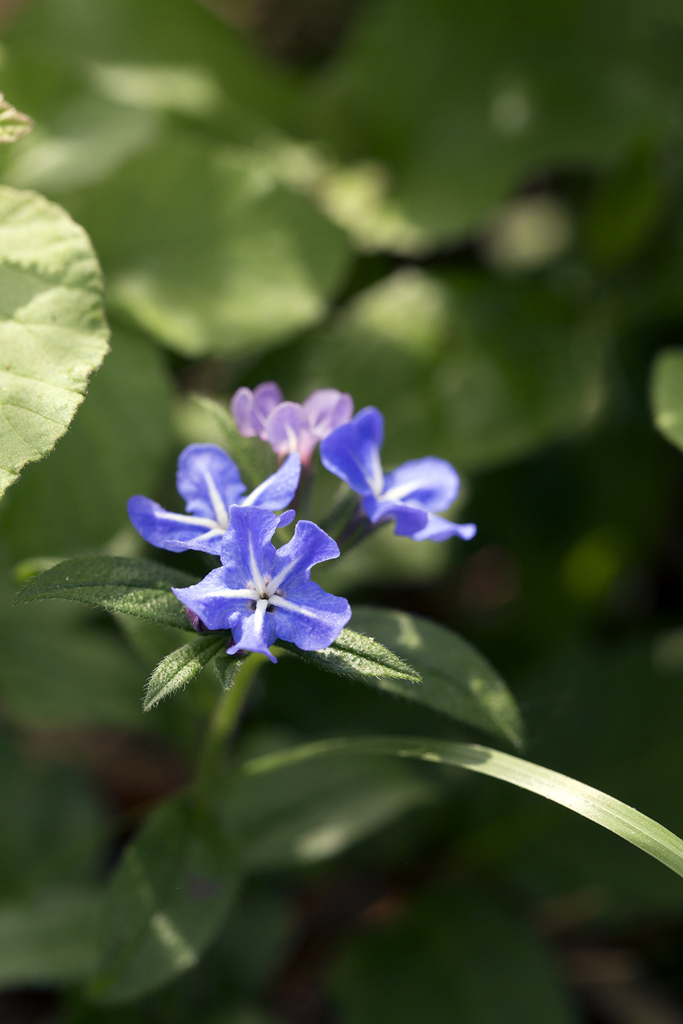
[(226, 716)]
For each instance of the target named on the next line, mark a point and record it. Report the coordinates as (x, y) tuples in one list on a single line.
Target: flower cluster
[(261, 593), (290, 426)]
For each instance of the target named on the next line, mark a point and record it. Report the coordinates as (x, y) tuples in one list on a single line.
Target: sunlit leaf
[(166, 901), (666, 392), (476, 369), (134, 585), (52, 330), (13, 124), (456, 679), (612, 814), (180, 667), (358, 657), (122, 434)]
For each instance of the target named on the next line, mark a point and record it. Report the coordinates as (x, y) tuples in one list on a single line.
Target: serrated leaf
[(53, 333), (122, 434), (133, 585), (254, 457), (358, 657), (456, 679), (13, 124), (666, 394), (605, 810), (166, 901), (180, 667)]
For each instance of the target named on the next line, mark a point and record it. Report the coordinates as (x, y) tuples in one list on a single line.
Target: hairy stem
[(226, 716)]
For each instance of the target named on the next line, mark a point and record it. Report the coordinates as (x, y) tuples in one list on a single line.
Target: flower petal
[(327, 409), (247, 552), (408, 518), (217, 602), (351, 451), (293, 560), (172, 530), (286, 427), (430, 483), (209, 481), (255, 631), (250, 409), (310, 617), (277, 490), (439, 529)]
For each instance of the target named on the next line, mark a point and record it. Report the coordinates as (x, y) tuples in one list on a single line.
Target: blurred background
[(471, 216)]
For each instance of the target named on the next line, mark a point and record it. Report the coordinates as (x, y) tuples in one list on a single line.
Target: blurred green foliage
[(470, 216)]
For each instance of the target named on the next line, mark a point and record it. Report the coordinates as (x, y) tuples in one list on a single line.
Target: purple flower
[(410, 494), (290, 426), (210, 483), (261, 593)]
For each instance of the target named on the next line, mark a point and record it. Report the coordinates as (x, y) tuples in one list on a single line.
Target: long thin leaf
[(612, 814), (134, 585), (181, 666), (358, 657)]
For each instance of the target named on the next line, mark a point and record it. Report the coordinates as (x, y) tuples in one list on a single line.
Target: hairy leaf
[(358, 657), (180, 667), (456, 679), (134, 585), (13, 124), (52, 327), (166, 901), (605, 810)]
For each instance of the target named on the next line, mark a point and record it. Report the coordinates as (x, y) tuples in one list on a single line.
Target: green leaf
[(122, 434), (180, 667), (666, 394), (134, 585), (358, 657), (52, 329), (226, 666), (465, 104), (612, 814), (254, 457), (60, 669), (452, 955), (507, 364), (310, 813), (49, 939), (13, 124), (456, 679), (165, 903), (207, 251)]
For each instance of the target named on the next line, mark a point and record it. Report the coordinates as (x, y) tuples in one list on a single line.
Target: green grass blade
[(605, 810)]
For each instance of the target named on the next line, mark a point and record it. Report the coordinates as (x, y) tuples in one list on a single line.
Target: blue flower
[(261, 593), (410, 494), (210, 483)]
